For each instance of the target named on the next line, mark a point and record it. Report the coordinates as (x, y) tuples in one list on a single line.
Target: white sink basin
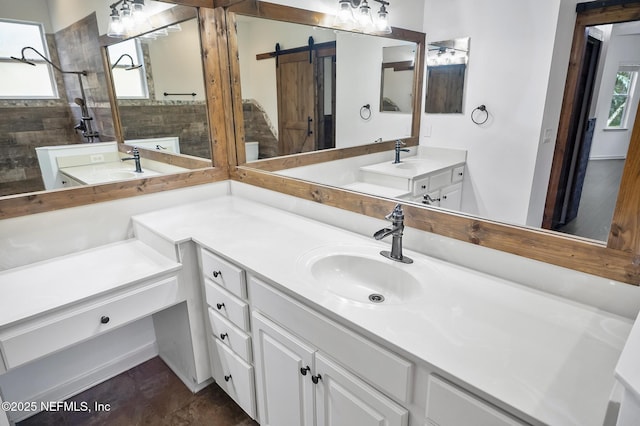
[(360, 274), (124, 175)]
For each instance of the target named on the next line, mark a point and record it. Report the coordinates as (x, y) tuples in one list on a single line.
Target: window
[(129, 82), (622, 93), (20, 81)]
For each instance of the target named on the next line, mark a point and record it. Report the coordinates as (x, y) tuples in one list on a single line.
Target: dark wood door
[(296, 82), (445, 86)]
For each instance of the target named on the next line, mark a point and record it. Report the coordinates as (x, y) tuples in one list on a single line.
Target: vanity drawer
[(420, 186), (371, 362), (230, 335), (457, 174), (440, 179), (227, 305), (234, 376), (35, 339), (223, 273)]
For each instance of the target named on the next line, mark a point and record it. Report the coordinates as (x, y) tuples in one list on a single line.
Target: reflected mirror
[(70, 113), (446, 70), (398, 63), (160, 91), (308, 88)]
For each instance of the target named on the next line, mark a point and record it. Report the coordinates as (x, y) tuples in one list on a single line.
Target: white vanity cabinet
[(228, 338), (425, 181), (298, 382)]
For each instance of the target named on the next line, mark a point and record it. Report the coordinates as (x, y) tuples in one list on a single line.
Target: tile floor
[(149, 394)]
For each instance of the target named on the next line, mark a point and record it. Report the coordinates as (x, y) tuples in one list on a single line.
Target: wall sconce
[(123, 21), (357, 15)]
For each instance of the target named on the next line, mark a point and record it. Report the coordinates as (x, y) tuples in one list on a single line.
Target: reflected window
[(623, 90), (129, 78), (18, 81)]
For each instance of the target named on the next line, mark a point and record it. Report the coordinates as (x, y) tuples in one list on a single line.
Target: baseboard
[(188, 381), (606, 157), (90, 378)]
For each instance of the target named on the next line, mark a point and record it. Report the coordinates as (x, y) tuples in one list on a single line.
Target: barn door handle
[(309, 121)]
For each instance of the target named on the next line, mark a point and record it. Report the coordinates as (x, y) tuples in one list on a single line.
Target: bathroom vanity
[(448, 344), (276, 307)]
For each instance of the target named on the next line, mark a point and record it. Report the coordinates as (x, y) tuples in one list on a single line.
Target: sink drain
[(376, 298)]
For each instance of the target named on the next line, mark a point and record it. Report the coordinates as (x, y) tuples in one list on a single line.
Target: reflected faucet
[(396, 217), (136, 158), (399, 147)]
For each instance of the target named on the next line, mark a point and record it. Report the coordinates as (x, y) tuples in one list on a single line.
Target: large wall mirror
[(305, 87), (65, 115), (322, 181)]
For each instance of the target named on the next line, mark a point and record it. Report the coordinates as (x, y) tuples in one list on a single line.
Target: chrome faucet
[(399, 147), (396, 217), (136, 158)]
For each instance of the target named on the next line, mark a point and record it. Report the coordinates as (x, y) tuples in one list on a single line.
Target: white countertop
[(91, 174), (628, 368), (379, 190), (28, 291), (547, 357), (412, 167)]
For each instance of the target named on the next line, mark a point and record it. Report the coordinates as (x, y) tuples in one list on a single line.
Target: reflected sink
[(124, 175), (361, 274)]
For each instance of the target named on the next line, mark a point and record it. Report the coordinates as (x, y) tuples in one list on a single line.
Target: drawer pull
[(227, 378), (304, 370), (315, 379), (219, 306), (104, 320), (223, 335), (217, 274)]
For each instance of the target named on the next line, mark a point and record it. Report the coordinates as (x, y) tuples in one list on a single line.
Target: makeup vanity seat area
[(473, 349), (54, 304)]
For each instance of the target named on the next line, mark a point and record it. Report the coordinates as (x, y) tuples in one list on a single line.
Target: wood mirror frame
[(260, 9), (618, 260), (215, 66)]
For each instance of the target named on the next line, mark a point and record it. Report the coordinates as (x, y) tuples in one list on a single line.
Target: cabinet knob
[(423, 186), (227, 378), (217, 274), (223, 335), (220, 305), (304, 370), (104, 319), (315, 379), (444, 197), (460, 173)]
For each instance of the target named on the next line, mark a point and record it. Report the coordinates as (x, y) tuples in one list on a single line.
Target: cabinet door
[(284, 366), (451, 197), (344, 400)]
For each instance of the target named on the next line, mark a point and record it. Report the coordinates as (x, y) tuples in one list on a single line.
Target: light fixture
[(357, 15), (382, 19), (123, 21)]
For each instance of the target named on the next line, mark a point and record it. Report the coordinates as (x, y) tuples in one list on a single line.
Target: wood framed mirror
[(345, 117), (618, 259), (183, 171)]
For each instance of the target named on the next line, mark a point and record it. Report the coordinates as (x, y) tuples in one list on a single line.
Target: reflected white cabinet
[(292, 375)]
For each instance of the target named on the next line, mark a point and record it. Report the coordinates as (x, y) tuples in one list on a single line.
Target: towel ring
[(481, 108), (365, 112)]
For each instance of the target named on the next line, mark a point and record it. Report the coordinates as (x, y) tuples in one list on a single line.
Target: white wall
[(176, 63), (27, 10), (622, 49), (509, 71)]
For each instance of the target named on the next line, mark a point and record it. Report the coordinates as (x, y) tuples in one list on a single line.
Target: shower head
[(23, 60), (128, 68)]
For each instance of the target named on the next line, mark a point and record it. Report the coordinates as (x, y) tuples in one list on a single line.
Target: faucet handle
[(400, 142), (396, 214)]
